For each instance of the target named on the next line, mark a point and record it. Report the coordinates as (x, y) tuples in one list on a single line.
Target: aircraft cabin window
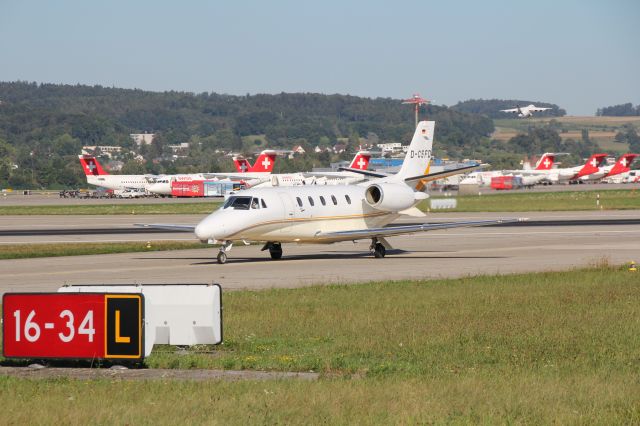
[(264, 205), (311, 201), (333, 198), (299, 201), (347, 198), (255, 203), (324, 203)]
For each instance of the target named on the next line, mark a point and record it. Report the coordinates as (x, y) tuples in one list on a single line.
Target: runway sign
[(73, 326)]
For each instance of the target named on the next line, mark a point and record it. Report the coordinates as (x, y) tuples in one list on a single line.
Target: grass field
[(506, 202), (532, 348), (544, 201), (119, 209), (601, 129), (24, 251)]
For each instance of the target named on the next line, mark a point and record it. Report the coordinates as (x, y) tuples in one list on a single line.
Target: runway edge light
[(632, 267)]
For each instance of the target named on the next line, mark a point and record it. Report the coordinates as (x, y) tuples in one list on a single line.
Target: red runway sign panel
[(72, 325)]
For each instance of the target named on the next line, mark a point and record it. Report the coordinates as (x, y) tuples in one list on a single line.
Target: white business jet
[(328, 214), (524, 112)]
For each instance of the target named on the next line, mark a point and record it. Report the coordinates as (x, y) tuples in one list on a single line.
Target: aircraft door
[(288, 209)]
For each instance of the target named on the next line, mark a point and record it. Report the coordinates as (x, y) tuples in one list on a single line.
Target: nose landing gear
[(222, 254)]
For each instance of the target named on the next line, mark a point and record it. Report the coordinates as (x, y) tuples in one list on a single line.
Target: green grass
[(24, 251), (560, 347), (545, 201), (119, 209)]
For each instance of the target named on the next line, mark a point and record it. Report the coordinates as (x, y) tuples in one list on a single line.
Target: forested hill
[(491, 107), (36, 114)]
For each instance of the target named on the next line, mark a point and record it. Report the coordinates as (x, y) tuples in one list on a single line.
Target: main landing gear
[(222, 254), (377, 248), (275, 250)]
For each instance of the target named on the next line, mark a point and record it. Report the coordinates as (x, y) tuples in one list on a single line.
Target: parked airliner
[(569, 174), (97, 176), (328, 214), (623, 165)]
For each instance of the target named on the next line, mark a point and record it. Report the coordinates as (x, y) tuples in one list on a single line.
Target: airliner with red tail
[(264, 163), (568, 174), (623, 165), (97, 176)]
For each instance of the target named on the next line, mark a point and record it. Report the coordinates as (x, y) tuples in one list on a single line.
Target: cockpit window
[(255, 203), (238, 203), (299, 201), (264, 205)]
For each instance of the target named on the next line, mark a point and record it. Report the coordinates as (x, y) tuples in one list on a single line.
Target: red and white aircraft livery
[(483, 178), (623, 165), (325, 214), (359, 162), (568, 174), (264, 163), (96, 175), (161, 185)]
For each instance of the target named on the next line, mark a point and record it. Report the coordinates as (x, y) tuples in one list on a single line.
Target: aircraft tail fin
[(546, 161), (418, 158), (91, 166), (242, 165), (592, 165), (360, 161), (622, 165), (264, 163)]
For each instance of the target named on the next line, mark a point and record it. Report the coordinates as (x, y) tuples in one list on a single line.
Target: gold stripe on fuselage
[(310, 219)]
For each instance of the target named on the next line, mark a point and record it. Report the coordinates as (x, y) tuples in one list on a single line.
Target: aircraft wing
[(170, 227), (514, 110), (369, 173), (410, 229), (538, 109)]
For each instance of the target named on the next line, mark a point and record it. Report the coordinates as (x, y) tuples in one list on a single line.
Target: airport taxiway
[(563, 244)]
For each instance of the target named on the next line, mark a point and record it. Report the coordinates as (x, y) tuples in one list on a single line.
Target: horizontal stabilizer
[(369, 173), (443, 174)]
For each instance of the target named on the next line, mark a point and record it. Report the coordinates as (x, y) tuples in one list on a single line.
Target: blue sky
[(579, 54)]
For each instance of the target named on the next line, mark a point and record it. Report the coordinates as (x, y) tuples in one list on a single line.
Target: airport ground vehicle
[(130, 193)]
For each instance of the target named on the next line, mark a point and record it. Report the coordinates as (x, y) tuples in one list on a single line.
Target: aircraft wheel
[(276, 251), (222, 258), (379, 251)]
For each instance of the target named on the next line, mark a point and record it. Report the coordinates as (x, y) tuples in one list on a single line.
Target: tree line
[(44, 126), (622, 110)]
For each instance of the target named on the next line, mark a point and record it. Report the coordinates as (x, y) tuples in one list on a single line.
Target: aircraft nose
[(208, 229)]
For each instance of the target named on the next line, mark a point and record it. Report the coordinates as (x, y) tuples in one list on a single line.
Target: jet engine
[(391, 196)]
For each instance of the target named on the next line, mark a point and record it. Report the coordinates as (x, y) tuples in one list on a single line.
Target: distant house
[(298, 149), (107, 150), (142, 138), (339, 148), (390, 147)]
